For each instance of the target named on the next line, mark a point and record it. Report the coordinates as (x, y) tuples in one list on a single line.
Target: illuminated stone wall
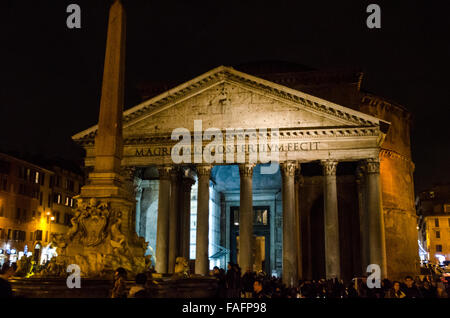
[(397, 185)]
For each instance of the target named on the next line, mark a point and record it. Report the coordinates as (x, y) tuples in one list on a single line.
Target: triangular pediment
[(225, 98)]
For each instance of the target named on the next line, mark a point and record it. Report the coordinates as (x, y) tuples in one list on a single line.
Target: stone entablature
[(304, 145)]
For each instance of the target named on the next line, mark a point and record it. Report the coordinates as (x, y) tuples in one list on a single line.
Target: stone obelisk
[(103, 235), (106, 179)]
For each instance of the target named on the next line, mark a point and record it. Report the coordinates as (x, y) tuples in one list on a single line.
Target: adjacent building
[(35, 202), (433, 207)]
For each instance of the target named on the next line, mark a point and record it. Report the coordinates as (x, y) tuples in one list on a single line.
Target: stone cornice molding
[(391, 154), (223, 74), (329, 167), (283, 134), (377, 101), (315, 77)]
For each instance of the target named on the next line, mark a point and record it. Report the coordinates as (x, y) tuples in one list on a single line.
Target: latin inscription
[(288, 147)]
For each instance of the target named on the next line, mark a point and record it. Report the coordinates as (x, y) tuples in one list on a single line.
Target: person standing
[(139, 291), (247, 282), (119, 288), (7, 271), (411, 290), (258, 291), (427, 290), (396, 292), (221, 288)]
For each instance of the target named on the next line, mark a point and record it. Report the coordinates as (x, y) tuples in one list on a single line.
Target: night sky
[(50, 76)]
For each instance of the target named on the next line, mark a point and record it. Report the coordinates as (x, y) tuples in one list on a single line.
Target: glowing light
[(441, 258), (52, 218)]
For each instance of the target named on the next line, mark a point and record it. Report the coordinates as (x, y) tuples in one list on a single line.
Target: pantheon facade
[(340, 197)]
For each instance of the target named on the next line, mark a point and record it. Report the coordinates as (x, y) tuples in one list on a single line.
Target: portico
[(301, 129)]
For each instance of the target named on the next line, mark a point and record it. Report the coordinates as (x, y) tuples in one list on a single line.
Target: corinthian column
[(377, 244), (331, 220), (361, 184), (162, 229), (202, 257), (246, 217), (290, 259), (185, 210), (173, 219)]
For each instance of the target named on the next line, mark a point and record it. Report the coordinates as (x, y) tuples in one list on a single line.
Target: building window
[(38, 235), (2, 210), (57, 198), (439, 248), (67, 202), (448, 222), (58, 181), (41, 198), (18, 213), (56, 217), (436, 222), (5, 183), (438, 234), (36, 177), (42, 179), (447, 208)]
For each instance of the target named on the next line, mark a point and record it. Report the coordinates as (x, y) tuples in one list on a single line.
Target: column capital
[(128, 172), (174, 173), (204, 170), (372, 165), (165, 172), (289, 168), (329, 167), (360, 172), (187, 183), (246, 169)]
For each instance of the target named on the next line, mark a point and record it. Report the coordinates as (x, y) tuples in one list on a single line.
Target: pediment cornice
[(282, 134), (222, 74)]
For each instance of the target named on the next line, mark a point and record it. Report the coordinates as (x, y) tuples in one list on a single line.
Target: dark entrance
[(261, 237)]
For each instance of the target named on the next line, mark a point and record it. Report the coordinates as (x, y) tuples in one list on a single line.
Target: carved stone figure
[(94, 223), (97, 243), (181, 268)]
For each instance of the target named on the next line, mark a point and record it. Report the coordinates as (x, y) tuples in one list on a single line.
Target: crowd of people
[(260, 285), (233, 284)]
